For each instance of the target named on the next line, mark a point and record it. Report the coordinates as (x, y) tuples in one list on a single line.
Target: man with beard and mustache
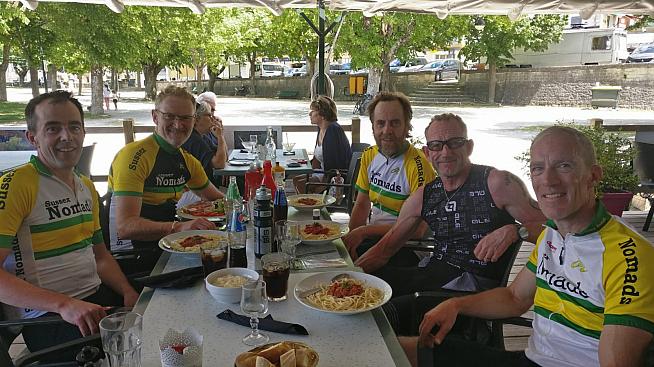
[(149, 176), (588, 278), (472, 210), (390, 172), (54, 260)]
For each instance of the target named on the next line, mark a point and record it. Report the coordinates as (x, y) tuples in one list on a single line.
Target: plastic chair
[(349, 191), (84, 164)]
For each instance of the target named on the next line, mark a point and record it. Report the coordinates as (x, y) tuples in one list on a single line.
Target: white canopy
[(440, 7)]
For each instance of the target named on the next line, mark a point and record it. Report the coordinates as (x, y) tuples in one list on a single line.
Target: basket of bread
[(283, 354)]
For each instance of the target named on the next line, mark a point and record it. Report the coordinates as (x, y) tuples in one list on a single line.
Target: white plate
[(343, 230), (164, 242), (326, 277), (239, 162), (292, 201), (184, 215)]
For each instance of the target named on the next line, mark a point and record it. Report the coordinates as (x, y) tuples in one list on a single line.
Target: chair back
[(84, 164), (7, 336), (359, 147), (644, 161)]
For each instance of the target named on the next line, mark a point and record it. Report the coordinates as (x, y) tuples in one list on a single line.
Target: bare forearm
[(395, 236), (111, 274), (219, 159), (142, 229), (359, 215), (493, 304), (19, 293)]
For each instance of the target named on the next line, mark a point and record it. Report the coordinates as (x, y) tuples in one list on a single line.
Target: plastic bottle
[(279, 174), (334, 191), (233, 196), (280, 211), (263, 217), (271, 148), (268, 180), (237, 238)]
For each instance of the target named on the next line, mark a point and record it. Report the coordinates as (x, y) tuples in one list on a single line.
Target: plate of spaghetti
[(320, 232), (190, 241), (359, 292), (211, 210), (308, 202)]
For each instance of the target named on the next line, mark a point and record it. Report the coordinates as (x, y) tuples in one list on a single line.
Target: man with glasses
[(390, 171), (472, 210), (217, 122), (149, 176)]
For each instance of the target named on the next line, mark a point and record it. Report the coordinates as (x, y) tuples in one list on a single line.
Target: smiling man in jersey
[(54, 260), (149, 176), (589, 277), (390, 171)]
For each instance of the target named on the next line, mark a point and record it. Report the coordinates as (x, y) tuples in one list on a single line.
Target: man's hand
[(443, 316), (494, 244), (86, 316), (200, 223), (217, 127), (130, 297), (372, 260), (352, 240)]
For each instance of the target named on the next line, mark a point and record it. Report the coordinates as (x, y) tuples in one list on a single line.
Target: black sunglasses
[(452, 143)]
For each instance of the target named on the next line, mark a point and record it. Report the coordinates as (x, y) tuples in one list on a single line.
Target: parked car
[(411, 65), (443, 69), (643, 53), (339, 69), (268, 69), (301, 71)]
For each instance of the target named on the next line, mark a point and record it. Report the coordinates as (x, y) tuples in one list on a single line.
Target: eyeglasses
[(452, 143), (170, 117)]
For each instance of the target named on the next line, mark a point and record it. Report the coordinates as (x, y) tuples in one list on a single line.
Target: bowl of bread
[(283, 354)]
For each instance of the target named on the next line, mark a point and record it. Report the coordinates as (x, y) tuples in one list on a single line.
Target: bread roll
[(287, 359), (262, 362), (273, 352)]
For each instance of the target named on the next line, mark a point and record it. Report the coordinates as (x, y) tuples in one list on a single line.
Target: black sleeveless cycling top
[(460, 222)]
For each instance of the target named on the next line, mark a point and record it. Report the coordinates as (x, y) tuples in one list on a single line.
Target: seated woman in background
[(332, 149), (211, 156)]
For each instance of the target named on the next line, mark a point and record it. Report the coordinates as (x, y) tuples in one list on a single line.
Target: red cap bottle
[(268, 179)]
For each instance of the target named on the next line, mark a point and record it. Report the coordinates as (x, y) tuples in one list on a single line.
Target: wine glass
[(253, 143), (288, 146), (254, 303)]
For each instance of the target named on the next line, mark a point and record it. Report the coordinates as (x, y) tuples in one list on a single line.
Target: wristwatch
[(523, 232)]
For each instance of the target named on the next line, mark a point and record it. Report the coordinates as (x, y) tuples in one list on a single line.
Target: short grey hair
[(201, 108), (583, 146), (209, 97)]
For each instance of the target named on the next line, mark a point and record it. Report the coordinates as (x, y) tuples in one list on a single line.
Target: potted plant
[(615, 154)]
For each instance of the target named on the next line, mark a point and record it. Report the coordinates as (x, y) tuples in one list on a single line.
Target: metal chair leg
[(648, 220)]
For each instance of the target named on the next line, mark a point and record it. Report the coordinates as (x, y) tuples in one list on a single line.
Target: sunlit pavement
[(498, 132)]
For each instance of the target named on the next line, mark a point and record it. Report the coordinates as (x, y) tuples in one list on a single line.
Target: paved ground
[(498, 132)]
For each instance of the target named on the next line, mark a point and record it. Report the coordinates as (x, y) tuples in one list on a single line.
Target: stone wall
[(565, 86), (270, 87)]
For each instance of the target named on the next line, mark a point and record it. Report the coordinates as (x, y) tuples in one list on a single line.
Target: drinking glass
[(288, 237), (288, 146), (254, 303), (275, 268), (253, 143), (121, 338)]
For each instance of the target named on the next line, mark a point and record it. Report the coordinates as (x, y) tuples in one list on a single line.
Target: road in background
[(499, 133)]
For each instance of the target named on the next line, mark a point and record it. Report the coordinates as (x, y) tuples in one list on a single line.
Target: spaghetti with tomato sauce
[(346, 295)]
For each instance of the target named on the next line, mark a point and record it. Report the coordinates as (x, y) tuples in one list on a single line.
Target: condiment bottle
[(268, 179), (263, 217), (316, 214), (279, 174)]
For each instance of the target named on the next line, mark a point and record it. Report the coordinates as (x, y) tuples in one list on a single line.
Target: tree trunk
[(150, 75), (138, 80), (311, 66), (79, 84), (114, 79), (374, 78), (3, 72), (96, 89), (212, 78), (492, 81), (52, 77), (34, 79), (252, 58), (385, 79)]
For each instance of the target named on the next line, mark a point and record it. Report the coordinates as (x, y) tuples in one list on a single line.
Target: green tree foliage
[(375, 42), (500, 36)]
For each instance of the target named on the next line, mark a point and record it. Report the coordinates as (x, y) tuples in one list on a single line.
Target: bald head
[(583, 147), (449, 118)]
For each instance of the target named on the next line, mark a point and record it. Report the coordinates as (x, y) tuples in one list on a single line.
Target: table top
[(284, 160), (13, 158), (339, 340)]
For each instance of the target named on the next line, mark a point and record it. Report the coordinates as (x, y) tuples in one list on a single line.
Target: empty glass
[(254, 303), (288, 146), (121, 338), (287, 234)]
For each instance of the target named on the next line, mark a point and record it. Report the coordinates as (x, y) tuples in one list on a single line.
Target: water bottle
[(263, 217), (336, 191), (280, 212), (233, 196), (237, 238), (271, 148)]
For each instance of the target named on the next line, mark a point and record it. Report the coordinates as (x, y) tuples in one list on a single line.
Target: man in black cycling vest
[(472, 210)]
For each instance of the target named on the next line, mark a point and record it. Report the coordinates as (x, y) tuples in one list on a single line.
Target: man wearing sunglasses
[(472, 210), (149, 176)]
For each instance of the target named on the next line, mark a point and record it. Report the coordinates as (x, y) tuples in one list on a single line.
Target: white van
[(268, 69), (594, 46)]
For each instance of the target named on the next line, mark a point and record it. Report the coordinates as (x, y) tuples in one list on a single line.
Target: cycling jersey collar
[(164, 144)]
